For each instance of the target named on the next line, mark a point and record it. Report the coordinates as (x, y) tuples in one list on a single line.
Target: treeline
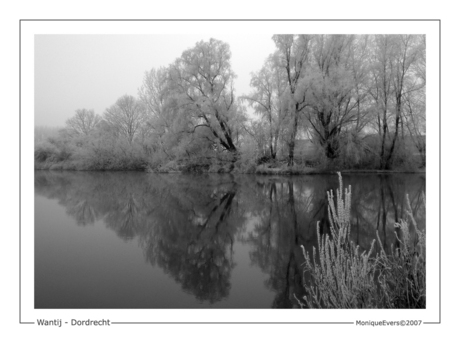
[(328, 101)]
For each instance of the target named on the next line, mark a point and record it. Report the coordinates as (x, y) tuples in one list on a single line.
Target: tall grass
[(340, 274), (402, 275)]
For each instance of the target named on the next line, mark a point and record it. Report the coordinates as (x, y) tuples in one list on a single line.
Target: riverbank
[(300, 170), (227, 169)]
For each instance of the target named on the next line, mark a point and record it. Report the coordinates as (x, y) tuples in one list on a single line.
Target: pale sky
[(93, 71)]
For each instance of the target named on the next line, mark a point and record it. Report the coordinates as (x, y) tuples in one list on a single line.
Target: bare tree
[(83, 122), (406, 53), (393, 73), (360, 66), (153, 90), (414, 116), (293, 53), (126, 116), (269, 86)]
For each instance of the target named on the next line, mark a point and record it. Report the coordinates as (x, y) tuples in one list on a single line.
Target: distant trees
[(153, 93), (126, 116), (83, 122), (269, 86)]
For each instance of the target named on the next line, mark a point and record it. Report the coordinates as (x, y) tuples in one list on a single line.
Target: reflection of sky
[(250, 223), (99, 270)]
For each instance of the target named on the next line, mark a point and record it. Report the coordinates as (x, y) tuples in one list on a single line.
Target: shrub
[(168, 167), (245, 168), (45, 151), (111, 155), (156, 160), (404, 159), (246, 163), (341, 275)]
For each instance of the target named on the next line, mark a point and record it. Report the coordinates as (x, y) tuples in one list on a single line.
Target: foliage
[(342, 275)]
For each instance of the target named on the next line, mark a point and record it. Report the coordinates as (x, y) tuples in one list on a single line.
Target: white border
[(431, 29)]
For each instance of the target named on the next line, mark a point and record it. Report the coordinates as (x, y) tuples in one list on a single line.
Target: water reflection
[(189, 225)]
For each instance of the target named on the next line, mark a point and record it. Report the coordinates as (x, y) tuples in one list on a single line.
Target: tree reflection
[(292, 207), (195, 244), (186, 228), (188, 225), (283, 225)]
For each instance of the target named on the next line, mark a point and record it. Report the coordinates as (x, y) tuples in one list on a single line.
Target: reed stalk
[(342, 275)]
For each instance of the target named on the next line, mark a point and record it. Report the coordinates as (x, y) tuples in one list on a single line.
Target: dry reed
[(342, 275)]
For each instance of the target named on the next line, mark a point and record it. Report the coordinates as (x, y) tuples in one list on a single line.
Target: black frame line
[(223, 20), (232, 323), (230, 20)]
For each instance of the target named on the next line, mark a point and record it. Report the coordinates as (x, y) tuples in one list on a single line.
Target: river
[(138, 240)]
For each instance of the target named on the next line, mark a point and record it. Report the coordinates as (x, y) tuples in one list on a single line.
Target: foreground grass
[(341, 275)]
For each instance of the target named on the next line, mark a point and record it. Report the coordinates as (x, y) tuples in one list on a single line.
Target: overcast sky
[(92, 71)]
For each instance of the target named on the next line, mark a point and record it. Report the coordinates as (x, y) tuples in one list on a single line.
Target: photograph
[(230, 171)]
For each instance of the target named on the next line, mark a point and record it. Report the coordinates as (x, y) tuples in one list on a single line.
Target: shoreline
[(267, 171)]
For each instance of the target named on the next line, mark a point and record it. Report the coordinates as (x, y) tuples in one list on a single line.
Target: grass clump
[(402, 276), (340, 274)]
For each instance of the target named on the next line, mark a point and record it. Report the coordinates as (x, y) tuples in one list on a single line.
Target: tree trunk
[(384, 137), (395, 137), (291, 144), (331, 151)]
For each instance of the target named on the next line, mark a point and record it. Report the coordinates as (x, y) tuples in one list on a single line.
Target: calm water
[(136, 240)]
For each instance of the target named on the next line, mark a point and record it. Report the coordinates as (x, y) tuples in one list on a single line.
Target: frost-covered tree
[(126, 116), (329, 89), (83, 122), (395, 74), (293, 54), (202, 81), (269, 86)]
